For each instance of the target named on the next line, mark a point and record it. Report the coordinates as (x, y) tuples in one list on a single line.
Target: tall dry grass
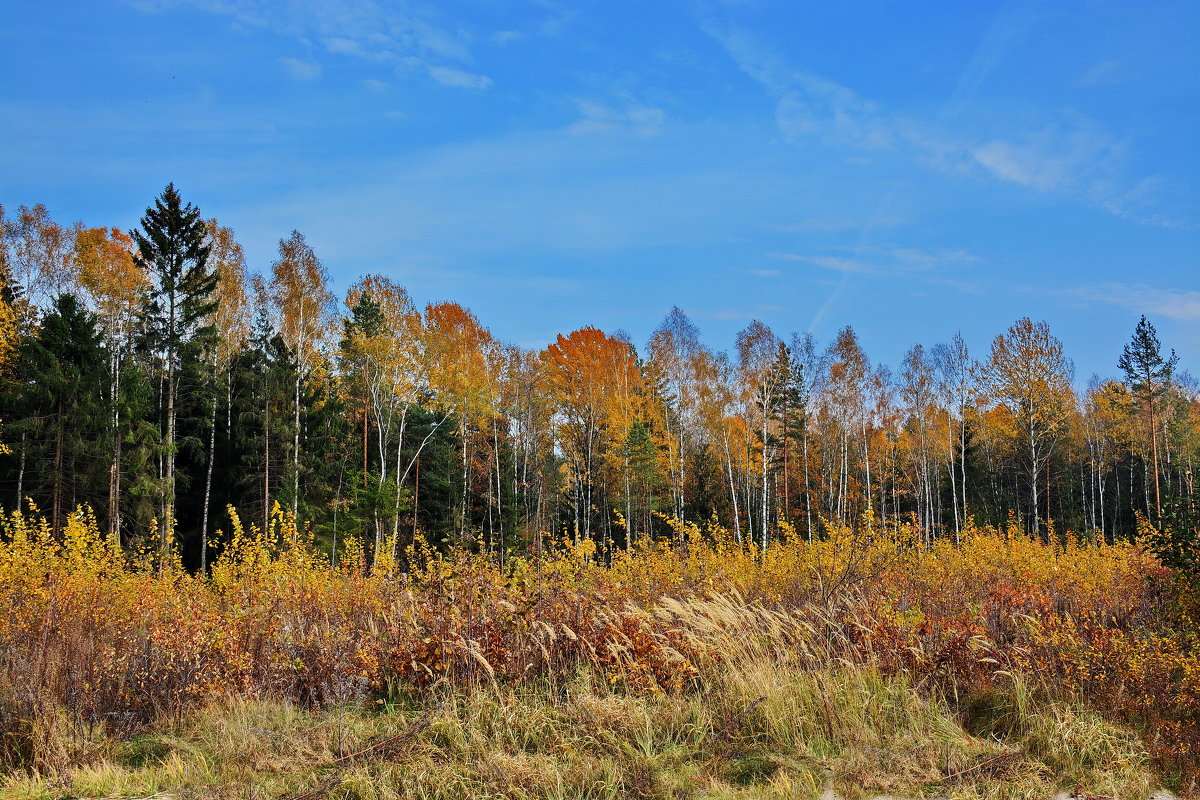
[(863, 636)]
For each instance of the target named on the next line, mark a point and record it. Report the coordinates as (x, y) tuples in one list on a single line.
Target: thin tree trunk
[(962, 456), (114, 473), (1154, 456), (953, 482), (56, 496), (399, 447), (169, 512), (499, 491), (867, 458), (266, 467), (807, 490), (682, 503), (1034, 481), (296, 446), (466, 488), (114, 490), (212, 451), (737, 525), (765, 485), (21, 475)]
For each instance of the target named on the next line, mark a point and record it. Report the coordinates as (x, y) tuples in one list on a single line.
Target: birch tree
[(231, 320), (1029, 376), (299, 283)]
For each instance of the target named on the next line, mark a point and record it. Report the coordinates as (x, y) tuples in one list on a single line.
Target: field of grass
[(865, 662)]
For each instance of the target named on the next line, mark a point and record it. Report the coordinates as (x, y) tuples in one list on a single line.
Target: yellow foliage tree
[(1028, 374)]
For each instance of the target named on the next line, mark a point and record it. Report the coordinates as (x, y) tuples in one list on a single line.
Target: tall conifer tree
[(172, 246), (1148, 376)]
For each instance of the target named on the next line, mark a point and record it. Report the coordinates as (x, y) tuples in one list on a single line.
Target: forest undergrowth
[(996, 666)]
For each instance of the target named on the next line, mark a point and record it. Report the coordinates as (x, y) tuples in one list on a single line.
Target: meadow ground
[(866, 662)]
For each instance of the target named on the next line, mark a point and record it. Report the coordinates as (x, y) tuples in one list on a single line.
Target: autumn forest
[(259, 540), (153, 379)]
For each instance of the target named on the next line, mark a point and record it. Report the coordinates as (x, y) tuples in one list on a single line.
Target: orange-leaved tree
[(594, 380), (115, 284)]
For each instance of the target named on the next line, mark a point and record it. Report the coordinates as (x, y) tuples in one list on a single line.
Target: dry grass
[(703, 670), (764, 717)]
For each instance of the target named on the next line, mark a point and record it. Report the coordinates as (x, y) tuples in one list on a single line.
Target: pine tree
[(1148, 376)]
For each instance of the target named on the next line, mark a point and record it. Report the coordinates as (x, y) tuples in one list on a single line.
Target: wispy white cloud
[(1103, 73), (835, 263), (867, 260), (506, 37), (818, 225), (340, 44), (806, 104), (405, 33), (302, 70), (449, 76), (1056, 157), (916, 259), (1177, 304), (596, 117), (1008, 27), (1060, 152)]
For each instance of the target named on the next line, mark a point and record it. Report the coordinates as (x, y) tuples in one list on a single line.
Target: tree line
[(149, 378)]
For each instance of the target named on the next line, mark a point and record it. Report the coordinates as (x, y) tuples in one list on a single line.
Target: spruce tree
[(62, 377), (172, 246), (262, 377)]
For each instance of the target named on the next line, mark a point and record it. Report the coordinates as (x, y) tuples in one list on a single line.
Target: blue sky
[(908, 168)]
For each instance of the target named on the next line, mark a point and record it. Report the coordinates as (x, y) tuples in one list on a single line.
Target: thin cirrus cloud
[(834, 263), (1008, 27), (1182, 305), (831, 224), (449, 76), (884, 260), (302, 70), (1059, 152), (401, 33), (597, 117)]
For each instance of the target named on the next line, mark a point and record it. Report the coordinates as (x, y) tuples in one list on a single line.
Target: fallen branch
[(979, 765)]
